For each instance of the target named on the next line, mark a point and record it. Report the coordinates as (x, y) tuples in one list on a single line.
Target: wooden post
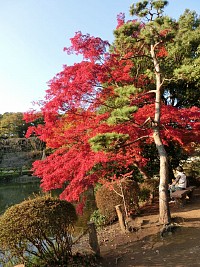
[(121, 218), (93, 240)]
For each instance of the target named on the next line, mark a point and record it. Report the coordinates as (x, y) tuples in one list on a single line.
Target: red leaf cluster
[(120, 20), (90, 47)]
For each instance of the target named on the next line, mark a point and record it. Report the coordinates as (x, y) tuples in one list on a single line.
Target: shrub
[(38, 229), (148, 190), (108, 197), (98, 218)]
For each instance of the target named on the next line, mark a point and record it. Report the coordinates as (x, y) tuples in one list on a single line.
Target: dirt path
[(145, 246)]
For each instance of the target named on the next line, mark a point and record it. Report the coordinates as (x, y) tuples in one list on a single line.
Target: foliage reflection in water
[(14, 193)]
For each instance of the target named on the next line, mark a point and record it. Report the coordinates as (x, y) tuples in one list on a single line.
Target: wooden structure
[(121, 218), (180, 195)]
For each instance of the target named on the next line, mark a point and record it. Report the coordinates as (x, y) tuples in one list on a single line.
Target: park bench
[(180, 195)]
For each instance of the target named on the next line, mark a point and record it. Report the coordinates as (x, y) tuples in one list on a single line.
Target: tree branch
[(136, 140), (136, 56)]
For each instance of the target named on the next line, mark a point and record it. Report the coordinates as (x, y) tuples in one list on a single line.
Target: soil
[(145, 246)]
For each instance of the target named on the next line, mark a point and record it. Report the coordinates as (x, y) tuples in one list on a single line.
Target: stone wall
[(19, 153)]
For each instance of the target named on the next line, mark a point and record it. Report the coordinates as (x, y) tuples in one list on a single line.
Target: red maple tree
[(78, 108)]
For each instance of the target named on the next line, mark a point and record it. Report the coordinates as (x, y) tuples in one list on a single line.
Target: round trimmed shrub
[(108, 197), (38, 230)]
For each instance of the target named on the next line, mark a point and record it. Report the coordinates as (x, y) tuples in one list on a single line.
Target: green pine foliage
[(121, 115), (108, 141)]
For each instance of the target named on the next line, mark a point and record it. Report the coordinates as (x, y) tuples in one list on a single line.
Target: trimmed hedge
[(38, 229), (108, 197)]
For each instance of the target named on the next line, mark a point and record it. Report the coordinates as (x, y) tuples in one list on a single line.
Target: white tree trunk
[(164, 212)]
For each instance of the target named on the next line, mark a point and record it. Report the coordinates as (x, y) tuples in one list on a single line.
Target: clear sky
[(33, 34)]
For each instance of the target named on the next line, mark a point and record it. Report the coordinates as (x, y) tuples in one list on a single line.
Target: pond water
[(14, 193)]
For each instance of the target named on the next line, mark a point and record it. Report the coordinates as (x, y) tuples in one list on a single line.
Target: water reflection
[(14, 193)]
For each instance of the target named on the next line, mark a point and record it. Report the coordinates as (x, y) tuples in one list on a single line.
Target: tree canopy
[(101, 115), (12, 125)]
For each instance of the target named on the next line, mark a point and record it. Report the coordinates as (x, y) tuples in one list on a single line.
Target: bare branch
[(136, 56), (156, 44), (117, 192), (149, 92), (136, 140), (146, 121)]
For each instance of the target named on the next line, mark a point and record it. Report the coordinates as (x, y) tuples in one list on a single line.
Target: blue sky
[(33, 34)]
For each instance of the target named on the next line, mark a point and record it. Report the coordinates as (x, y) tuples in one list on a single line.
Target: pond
[(13, 193)]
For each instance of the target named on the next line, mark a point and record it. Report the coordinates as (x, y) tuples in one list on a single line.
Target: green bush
[(108, 197), (98, 218), (145, 194), (148, 190), (38, 230)]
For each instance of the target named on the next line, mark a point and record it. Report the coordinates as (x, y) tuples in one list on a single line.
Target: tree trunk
[(164, 212), (121, 218), (93, 239)]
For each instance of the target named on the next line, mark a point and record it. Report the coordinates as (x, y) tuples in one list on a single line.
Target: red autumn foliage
[(162, 52), (71, 119), (92, 48), (120, 20)]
